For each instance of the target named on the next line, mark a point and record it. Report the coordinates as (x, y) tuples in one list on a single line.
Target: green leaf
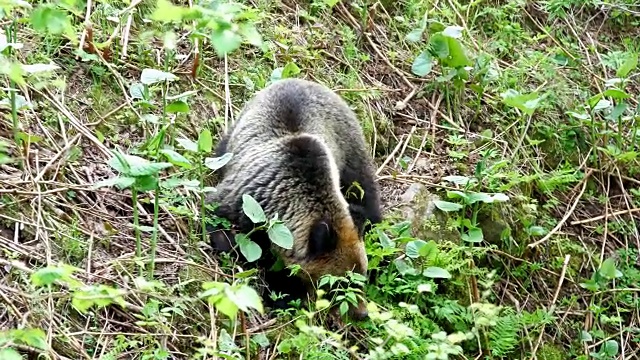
[(218, 162), (617, 111), (610, 348), (536, 231), (246, 297), (413, 248), (10, 354), (425, 288), (474, 197), (34, 337), (423, 64), (527, 103), (251, 34), (136, 166), (176, 158), (439, 45), (404, 268), (249, 249), (616, 94), (474, 235), (153, 76), (602, 104), (225, 41), (290, 70), (453, 31), (48, 275), (459, 180), (146, 183), (165, 11), (435, 272), (608, 269), (189, 145), (137, 91), (630, 64), (415, 35), (205, 141), (121, 182), (48, 19), (38, 68), (281, 235), (585, 336), (178, 106), (252, 209), (385, 240), (447, 206), (344, 307)]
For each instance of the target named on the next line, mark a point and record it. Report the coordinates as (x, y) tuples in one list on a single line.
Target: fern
[(504, 336)]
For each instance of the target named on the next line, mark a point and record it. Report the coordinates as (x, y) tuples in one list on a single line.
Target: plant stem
[(136, 221), (11, 37)]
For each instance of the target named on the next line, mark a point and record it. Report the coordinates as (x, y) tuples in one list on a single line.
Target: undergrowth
[(507, 135)]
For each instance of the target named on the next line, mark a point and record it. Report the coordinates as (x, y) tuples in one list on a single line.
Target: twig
[(600, 217), (567, 214), (553, 302)]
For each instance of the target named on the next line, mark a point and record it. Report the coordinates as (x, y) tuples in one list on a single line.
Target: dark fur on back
[(297, 148)]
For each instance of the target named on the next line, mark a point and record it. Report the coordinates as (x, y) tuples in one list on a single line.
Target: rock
[(427, 221)]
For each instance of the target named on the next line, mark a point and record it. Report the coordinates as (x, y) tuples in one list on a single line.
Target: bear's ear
[(322, 239)]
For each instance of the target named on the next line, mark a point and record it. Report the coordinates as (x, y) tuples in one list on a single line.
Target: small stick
[(600, 217), (566, 216), (553, 302)]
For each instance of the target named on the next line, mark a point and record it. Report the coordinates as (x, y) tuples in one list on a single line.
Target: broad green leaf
[(404, 268), (500, 197), (205, 141), (48, 275), (457, 54), (227, 307), (225, 41), (474, 235), (585, 336), (425, 288), (189, 145), (527, 103), (459, 180), (617, 111), (218, 162), (385, 240), (47, 18), (435, 272), (608, 269), (146, 183), (413, 248), (176, 158), (439, 45), (474, 197), (415, 35), (153, 76), (276, 74), (610, 348), (252, 209), (38, 68), (137, 91), (246, 297), (290, 70), (344, 307), (429, 250), (178, 106), (137, 166), (121, 182), (165, 11), (251, 34), (579, 116), (616, 94), (249, 249), (423, 64), (281, 235), (630, 64), (602, 104), (33, 337), (10, 354), (447, 206), (536, 231), (453, 31)]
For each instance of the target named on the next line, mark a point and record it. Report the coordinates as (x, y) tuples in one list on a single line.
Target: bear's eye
[(322, 239)]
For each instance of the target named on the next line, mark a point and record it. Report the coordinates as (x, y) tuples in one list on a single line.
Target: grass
[(521, 116)]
